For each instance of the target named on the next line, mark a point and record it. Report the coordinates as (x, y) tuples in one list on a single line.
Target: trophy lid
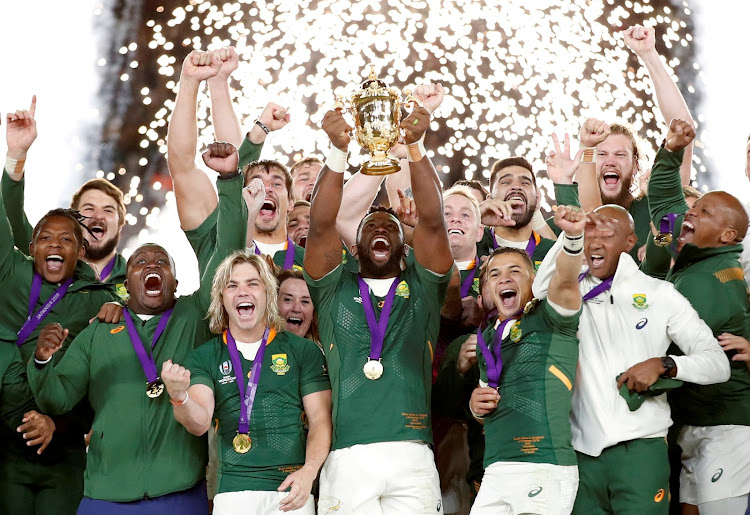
[(373, 81)]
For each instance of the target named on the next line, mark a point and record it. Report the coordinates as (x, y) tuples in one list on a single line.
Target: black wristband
[(228, 176), (668, 363), (262, 126)]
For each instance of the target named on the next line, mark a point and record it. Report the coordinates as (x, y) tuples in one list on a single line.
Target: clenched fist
[(415, 125), (431, 96), (200, 66), (680, 135), (640, 39), (177, 380), (467, 356), (484, 401), (50, 340), (593, 132), (229, 61), (571, 219), (339, 132), (221, 157)]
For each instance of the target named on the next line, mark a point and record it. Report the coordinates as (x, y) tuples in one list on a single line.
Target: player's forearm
[(427, 195), (194, 416), (318, 443), (588, 187), (358, 195), (182, 133), (668, 96), (400, 180), (225, 121), (326, 201), (563, 289)]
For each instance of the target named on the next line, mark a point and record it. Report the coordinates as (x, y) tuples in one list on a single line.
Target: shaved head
[(620, 214), (734, 211), (717, 219)]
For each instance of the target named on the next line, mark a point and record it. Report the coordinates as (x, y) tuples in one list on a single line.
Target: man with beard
[(627, 325), (53, 286), (298, 222), (140, 460), (99, 201), (509, 212), (196, 200), (715, 474), (378, 327), (527, 369)]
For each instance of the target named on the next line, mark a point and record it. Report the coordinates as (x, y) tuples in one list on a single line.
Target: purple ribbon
[(146, 358), (493, 358), (377, 326), (107, 269), (466, 285), (530, 247), (605, 285), (666, 224), (288, 257), (247, 394), (32, 321)]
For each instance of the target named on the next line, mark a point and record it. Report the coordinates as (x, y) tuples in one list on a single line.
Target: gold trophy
[(377, 116)]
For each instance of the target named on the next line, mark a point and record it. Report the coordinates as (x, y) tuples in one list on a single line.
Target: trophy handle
[(340, 104), (411, 99)]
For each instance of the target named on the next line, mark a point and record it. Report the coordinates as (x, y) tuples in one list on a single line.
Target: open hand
[(37, 429), (20, 132)]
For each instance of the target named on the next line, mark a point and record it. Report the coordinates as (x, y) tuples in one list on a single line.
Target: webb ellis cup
[(377, 115)]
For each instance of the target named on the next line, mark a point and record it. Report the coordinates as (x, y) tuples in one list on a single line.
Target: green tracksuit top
[(15, 395)]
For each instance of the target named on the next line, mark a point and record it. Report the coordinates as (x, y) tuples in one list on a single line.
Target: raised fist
[(680, 135), (339, 132), (221, 157), (274, 117), (484, 400), (176, 379), (254, 195), (593, 132), (415, 125), (20, 132), (496, 213), (431, 96), (560, 167), (467, 356), (200, 66), (229, 62), (640, 39), (571, 219), (37, 429), (50, 340)]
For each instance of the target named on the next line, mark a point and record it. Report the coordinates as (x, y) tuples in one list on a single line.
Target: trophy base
[(385, 166)]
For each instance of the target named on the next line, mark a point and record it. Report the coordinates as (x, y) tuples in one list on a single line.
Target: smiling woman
[(57, 245)]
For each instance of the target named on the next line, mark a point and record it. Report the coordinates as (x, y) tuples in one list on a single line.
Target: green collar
[(691, 254)]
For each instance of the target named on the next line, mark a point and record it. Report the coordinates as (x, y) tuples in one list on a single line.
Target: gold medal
[(373, 369), (154, 389), (242, 443), (662, 239)]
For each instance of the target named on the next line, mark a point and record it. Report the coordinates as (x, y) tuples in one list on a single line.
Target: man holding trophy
[(378, 325)]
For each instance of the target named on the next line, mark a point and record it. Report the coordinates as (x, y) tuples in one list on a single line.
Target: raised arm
[(323, 249), (226, 124), (195, 196), (563, 287), (359, 194), (273, 117), (665, 193), (593, 132), (193, 406), (431, 247), (642, 41), (20, 135)]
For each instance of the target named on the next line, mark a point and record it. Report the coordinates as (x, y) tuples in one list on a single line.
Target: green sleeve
[(249, 152), (57, 389), (566, 325), (200, 364), (434, 286), (15, 394), (323, 291), (313, 376), (665, 187), (567, 195), (13, 192), (452, 391), (657, 262), (7, 249), (203, 238), (231, 232)]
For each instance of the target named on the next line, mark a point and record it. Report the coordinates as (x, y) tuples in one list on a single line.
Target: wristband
[(263, 126), (175, 403), (538, 221), (415, 151), (478, 417), (14, 167), (589, 155), (336, 161), (228, 176), (572, 245), (41, 364)]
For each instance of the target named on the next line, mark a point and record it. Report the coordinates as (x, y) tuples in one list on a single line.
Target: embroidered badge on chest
[(402, 290), (640, 301), (515, 332), (279, 364)]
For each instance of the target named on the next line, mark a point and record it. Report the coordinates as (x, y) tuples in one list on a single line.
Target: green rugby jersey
[(292, 368), (540, 356), (485, 247), (474, 288), (395, 407)]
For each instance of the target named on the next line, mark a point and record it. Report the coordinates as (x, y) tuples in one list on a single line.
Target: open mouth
[(508, 298), (245, 309), (308, 197), (380, 247), (611, 179), (97, 230), (295, 322), (153, 284), (687, 232), (596, 261), (54, 262), (268, 209), (456, 230), (302, 241), (517, 200)]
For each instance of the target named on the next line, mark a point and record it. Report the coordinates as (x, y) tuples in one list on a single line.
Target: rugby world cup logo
[(225, 368)]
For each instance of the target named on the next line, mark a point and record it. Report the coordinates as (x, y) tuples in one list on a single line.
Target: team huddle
[(344, 358)]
